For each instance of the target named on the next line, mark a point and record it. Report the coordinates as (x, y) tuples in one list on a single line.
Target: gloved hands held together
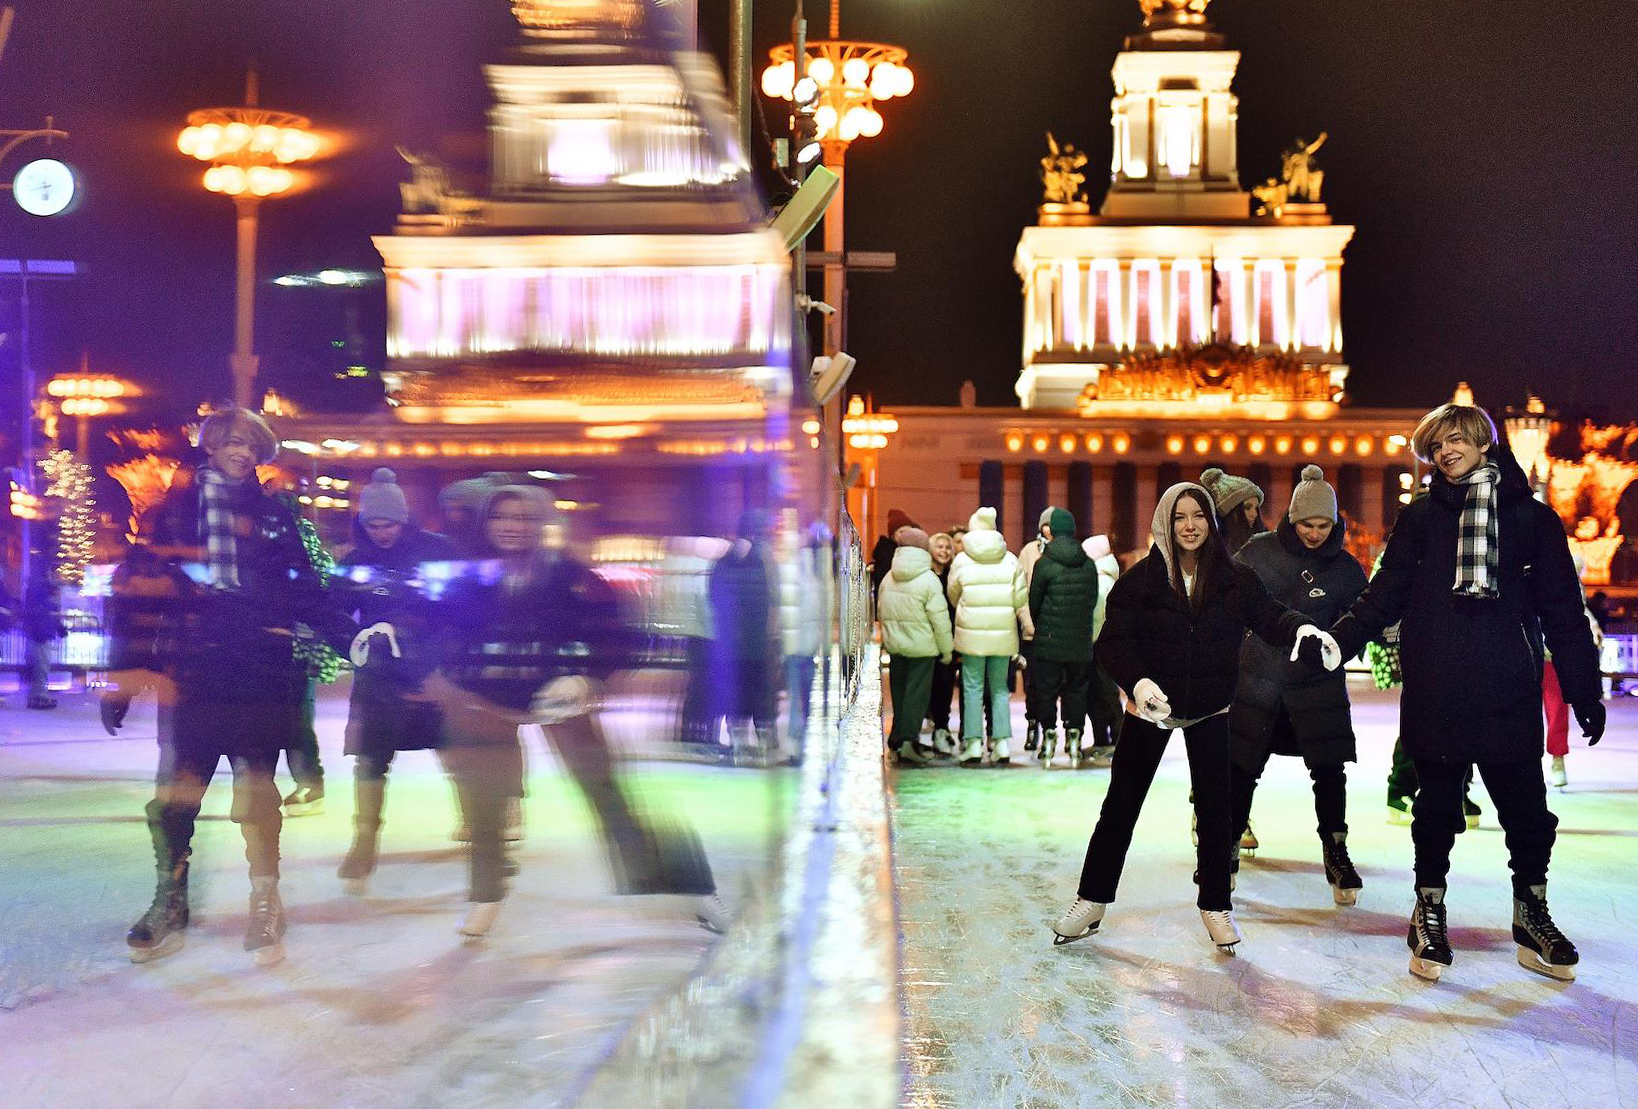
[(1316, 649)]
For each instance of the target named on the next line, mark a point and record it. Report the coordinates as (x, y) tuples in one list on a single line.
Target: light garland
[(70, 481)]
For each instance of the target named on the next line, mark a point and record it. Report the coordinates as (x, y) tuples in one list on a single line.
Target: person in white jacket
[(1103, 696), (915, 632), (991, 600)]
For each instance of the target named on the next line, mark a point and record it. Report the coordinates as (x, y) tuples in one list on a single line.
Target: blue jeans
[(799, 671), (981, 673)]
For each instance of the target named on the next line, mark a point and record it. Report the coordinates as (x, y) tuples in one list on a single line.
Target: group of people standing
[(1240, 648), (456, 642)]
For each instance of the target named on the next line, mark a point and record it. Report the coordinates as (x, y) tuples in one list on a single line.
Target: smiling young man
[(1478, 573)]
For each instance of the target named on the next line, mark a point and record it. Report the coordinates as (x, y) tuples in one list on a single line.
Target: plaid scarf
[(216, 529), (1477, 553)]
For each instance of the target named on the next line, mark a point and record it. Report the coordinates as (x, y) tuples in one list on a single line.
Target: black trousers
[(302, 756), (1057, 681), (1026, 651), (179, 791), (1520, 794), (1136, 760), (944, 687), (1103, 706), (1330, 786)]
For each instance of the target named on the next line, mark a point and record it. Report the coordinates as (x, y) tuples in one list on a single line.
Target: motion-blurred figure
[(743, 652), (42, 626)]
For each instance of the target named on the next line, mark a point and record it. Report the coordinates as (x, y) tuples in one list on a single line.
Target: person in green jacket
[(1063, 595)]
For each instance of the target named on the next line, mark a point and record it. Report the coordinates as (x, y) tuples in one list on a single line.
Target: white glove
[(359, 652), (561, 699), (1151, 702), (1330, 652)]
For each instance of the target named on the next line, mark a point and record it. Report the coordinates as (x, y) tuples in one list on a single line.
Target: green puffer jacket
[(1063, 595)]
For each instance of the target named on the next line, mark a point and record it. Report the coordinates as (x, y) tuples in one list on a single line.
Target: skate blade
[(1058, 939), (1531, 961), (1228, 948), (1344, 897), (1426, 969), (355, 887), (170, 945), (1245, 852), (271, 955), (1003, 762)]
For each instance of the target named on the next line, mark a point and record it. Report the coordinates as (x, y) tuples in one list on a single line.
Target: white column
[(1333, 285), (1254, 308), (1293, 326), (1089, 306), (1168, 304), (1128, 305)]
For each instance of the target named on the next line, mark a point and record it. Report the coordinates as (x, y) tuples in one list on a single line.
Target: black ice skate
[(1049, 746), (1072, 747), (163, 928), (1339, 869), (1542, 947), (1079, 921), (1032, 736), (1427, 936), (264, 934)]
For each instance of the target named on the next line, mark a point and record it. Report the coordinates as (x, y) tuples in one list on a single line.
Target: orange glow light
[(1040, 443), (1338, 444), (1202, 444), (1174, 444), (1094, 442), (1282, 445), (1256, 444), (1066, 443), (1123, 442), (1015, 441), (1229, 443), (1364, 445), (1310, 446)]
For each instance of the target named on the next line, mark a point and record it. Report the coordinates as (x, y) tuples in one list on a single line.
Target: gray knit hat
[(1046, 519), (1229, 492), (1313, 498), (382, 499)]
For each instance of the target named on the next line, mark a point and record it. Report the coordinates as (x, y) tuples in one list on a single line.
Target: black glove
[(114, 706), (1312, 654), (1591, 718)]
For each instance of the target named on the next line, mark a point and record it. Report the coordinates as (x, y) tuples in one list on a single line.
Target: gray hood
[(1160, 528)]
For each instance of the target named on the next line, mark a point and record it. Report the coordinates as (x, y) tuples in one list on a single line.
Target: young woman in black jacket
[(1171, 639), (1283, 707)]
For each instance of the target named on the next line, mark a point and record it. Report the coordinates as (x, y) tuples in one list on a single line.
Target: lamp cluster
[(89, 396), (840, 85), (248, 148), (867, 430)]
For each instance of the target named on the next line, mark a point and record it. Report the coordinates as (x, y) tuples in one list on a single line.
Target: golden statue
[(1302, 181), (1176, 12), (1271, 198), (1060, 173)]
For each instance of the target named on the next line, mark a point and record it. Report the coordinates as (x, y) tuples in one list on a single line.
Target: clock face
[(45, 187)]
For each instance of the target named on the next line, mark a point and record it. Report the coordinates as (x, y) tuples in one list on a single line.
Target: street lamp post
[(249, 150)]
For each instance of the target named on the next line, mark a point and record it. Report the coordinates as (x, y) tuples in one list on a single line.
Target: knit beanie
[(473, 492), (897, 518), (911, 537), (1046, 520), (382, 499), (982, 520), (1062, 523), (1229, 492), (1097, 547), (1313, 498)]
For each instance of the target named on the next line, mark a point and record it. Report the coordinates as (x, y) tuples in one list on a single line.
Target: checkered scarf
[(216, 529), (1477, 554)]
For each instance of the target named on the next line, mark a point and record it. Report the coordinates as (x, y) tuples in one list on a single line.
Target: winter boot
[(1032, 736), (1049, 746), (1102, 757), (1001, 752), (163, 928), (1339, 869), (942, 743), (972, 752), (1221, 928), (1072, 748), (1427, 937), (264, 934), (1542, 947), (1558, 777), (356, 868), (1080, 920), (910, 754)]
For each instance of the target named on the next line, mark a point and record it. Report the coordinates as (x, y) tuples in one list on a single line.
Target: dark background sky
[(1485, 152)]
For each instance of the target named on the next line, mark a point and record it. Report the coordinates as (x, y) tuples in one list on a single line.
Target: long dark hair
[(1214, 554)]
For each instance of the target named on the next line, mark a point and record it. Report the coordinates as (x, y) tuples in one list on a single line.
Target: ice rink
[(1318, 1008)]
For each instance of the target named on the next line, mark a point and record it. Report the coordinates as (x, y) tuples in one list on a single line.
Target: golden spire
[(1174, 13)]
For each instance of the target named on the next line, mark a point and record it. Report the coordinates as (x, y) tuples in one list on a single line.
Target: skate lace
[(1433, 924), (1540, 924), (263, 913), (1340, 859)]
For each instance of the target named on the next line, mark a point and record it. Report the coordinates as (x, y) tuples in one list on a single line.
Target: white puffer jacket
[(801, 604), (988, 590), (1108, 567), (915, 619)]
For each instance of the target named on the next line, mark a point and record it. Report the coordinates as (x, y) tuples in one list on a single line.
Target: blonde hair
[(1470, 421), (224, 423)]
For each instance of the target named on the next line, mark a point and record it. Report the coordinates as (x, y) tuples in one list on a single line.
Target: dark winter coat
[(1191, 652), (386, 585), (1320, 585), (1063, 595), (741, 593), (1472, 666)]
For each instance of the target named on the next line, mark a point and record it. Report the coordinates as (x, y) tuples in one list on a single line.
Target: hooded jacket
[(915, 619), (1191, 651), (987, 589), (1472, 667), (1063, 595), (1319, 584)]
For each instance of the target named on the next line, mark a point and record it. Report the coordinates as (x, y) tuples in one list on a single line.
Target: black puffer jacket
[(1193, 654), (1473, 667), (1320, 585), (386, 584), (1063, 594)]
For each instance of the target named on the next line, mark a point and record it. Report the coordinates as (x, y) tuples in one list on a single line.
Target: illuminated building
[(613, 296), (1171, 331)]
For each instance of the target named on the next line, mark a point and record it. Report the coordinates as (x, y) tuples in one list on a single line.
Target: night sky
[(1482, 150)]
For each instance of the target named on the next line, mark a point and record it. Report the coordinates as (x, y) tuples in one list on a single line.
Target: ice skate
[(359, 864), (513, 832), (972, 753), (1079, 921), (1427, 936), (1471, 812), (1248, 842), (712, 913), (304, 801), (264, 933), (1072, 748), (910, 754), (1049, 747), (163, 929), (1001, 753), (1221, 928), (1399, 810), (1032, 736), (1541, 946), (1339, 869), (1102, 758), (942, 743), (1558, 777), (479, 919)]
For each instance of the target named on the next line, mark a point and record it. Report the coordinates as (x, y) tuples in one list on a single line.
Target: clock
[(44, 187)]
